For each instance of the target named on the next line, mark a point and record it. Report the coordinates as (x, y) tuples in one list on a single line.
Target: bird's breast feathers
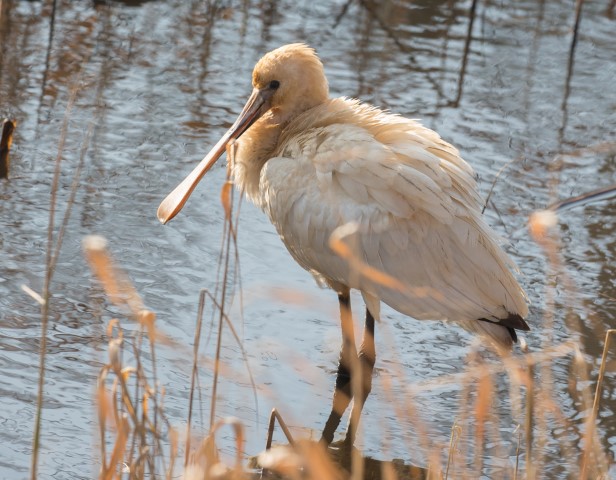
[(414, 203)]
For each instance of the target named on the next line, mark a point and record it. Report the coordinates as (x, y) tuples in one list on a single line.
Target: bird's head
[(286, 82), (290, 80)]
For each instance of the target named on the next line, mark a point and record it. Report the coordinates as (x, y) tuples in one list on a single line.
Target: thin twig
[(341, 15), (498, 174)]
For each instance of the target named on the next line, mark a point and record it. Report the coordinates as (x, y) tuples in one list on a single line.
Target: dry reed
[(137, 440), (52, 251)]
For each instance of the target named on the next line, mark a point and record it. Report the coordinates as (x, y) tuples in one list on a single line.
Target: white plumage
[(415, 204), (405, 200)]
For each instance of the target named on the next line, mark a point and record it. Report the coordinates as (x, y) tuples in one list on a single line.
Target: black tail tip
[(512, 323)]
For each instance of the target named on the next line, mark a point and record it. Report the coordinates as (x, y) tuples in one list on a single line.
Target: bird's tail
[(500, 333)]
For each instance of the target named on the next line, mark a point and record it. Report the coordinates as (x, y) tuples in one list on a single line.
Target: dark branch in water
[(467, 46), (370, 7), (599, 194), (52, 26), (576, 26), (342, 13), (8, 126)]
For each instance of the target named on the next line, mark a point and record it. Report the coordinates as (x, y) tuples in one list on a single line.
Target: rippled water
[(147, 87)]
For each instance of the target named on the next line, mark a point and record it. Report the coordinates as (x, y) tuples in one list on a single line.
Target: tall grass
[(137, 440), (55, 237)]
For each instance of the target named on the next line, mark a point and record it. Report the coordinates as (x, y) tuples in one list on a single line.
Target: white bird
[(400, 198)]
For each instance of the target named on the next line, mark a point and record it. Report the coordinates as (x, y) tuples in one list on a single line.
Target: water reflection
[(158, 81)]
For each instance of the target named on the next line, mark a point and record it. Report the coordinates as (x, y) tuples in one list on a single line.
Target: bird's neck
[(255, 147), (260, 142)]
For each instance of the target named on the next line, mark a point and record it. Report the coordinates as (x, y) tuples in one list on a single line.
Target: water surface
[(148, 87)]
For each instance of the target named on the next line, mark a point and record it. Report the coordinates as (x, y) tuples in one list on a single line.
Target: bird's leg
[(367, 358), (348, 357)]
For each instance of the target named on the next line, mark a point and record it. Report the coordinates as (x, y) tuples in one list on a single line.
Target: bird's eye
[(274, 84)]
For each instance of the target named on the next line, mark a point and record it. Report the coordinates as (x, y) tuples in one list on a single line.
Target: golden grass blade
[(456, 432), (173, 451), (530, 413), (193, 377), (592, 419), (226, 198), (117, 285), (103, 410), (226, 255), (117, 456)]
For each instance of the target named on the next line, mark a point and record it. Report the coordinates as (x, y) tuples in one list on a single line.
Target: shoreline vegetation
[(137, 441)]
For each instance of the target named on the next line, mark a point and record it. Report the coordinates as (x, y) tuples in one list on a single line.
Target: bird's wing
[(415, 213)]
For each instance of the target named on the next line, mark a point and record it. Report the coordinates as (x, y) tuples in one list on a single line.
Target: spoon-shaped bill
[(174, 202)]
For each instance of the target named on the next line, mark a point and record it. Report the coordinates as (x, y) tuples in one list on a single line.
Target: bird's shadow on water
[(341, 456), (375, 469)]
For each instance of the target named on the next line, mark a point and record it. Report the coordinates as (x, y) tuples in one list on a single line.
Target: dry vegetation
[(137, 441)]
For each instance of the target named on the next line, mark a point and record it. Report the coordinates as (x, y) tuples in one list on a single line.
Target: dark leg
[(367, 358), (348, 353)]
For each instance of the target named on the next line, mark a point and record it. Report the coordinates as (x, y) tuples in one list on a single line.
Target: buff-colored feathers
[(313, 164), (367, 200)]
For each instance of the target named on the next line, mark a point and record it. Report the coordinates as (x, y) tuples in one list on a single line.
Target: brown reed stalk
[(592, 419), (135, 401), (484, 392), (528, 420), (206, 294), (205, 462), (275, 416), (193, 379), (456, 431), (137, 440), (226, 255), (218, 300), (52, 251), (541, 225), (228, 235), (518, 452)]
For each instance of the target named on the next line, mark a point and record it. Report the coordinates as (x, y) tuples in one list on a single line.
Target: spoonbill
[(400, 197)]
